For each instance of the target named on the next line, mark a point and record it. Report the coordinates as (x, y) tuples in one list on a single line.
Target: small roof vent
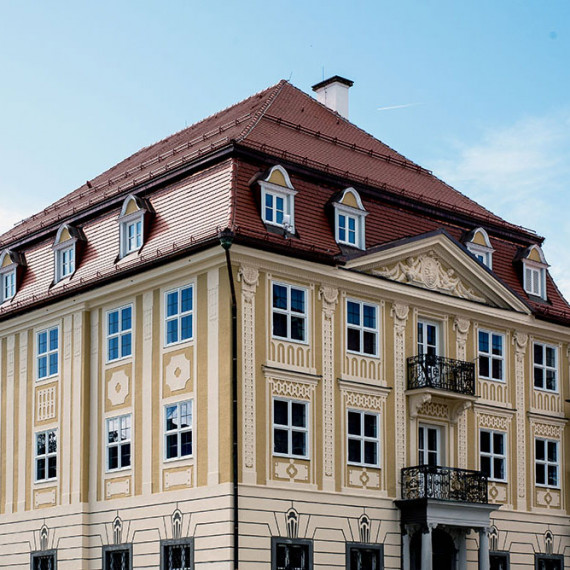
[(333, 93)]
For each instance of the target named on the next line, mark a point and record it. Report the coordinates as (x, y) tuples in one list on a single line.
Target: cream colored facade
[(87, 507)]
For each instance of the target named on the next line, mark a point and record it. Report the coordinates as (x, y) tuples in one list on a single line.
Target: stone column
[(405, 548), (483, 549), (400, 314), (427, 555), (520, 341), (329, 297), (461, 327), (462, 554)]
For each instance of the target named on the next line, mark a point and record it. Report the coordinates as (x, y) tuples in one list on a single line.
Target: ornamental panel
[(291, 470)]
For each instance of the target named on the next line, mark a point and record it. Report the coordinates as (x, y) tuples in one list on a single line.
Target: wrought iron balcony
[(444, 483), (430, 371)]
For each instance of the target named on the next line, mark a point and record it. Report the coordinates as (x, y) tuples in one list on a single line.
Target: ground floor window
[(498, 561), (548, 562), (43, 560), (177, 555), (364, 556), (117, 557), (291, 554)]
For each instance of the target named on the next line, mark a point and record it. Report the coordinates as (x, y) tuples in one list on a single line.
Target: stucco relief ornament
[(249, 277), (427, 271), (329, 295)]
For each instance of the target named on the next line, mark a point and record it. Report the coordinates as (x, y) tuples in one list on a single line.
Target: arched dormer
[(133, 221), (479, 244), (67, 249), (11, 270), (349, 216), (278, 199), (534, 271)]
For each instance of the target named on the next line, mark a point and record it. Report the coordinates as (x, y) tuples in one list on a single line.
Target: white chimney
[(333, 93)]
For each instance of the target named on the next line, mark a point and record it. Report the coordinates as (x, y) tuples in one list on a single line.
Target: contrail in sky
[(397, 106)]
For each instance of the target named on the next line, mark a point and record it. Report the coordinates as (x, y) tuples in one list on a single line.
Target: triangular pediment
[(436, 262)]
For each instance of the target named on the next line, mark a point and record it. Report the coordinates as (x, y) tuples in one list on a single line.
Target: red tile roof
[(286, 124)]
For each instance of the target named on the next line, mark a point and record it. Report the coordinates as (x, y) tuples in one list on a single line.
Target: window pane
[(172, 304), (186, 299), (371, 452), (354, 423), (369, 316), (126, 349), (550, 380), (550, 357), (171, 418), (298, 413), (279, 296), (353, 339), (540, 474), (42, 342), (353, 313), (299, 443), (41, 444), (497, 369), (484, 366), (53, 363), (280, 441), (52, 468), (40, 469), (538, 377), (52, 442), (354, 451), (497, 345), (370, 425), (538, 354), (499, 468), (539, 450), (297, 328), (186, 414), (297, 300), (113, 455), (113, 322), (553, 475), (486, 465), (53, 339), (485, 441), (369, 343), (125, 455), (113, 348), (498, 443), (126, 319), (186, 327), (186, 443), (280, 412), (552, 451), (171, 446), (279, 325), (171, 331)]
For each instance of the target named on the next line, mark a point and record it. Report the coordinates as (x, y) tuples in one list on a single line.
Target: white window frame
[(484, 253), (289, 314), (362, 438), (546, 463), (534, 279), (422, 443), (438, 334), (8, 287), (544, 367), (125, 419), (287, 193), (45, 456), (349, 212), (120, 334), (290, 428), (48, 353), (179, 315), (132, 221), (178, 431), (362, 329), (490, 356), (493, 455)]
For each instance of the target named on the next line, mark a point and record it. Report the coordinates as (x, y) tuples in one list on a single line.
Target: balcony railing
[(444, 483), (430, 371)]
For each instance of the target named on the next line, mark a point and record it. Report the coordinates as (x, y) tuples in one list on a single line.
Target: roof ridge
[(261, 112)]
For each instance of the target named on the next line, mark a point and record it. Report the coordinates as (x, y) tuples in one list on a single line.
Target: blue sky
[(481, 90)]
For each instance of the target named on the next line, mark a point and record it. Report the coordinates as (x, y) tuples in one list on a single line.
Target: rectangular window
[(545, 367), (363, 438), (177, 555), (178, 430), (362, 328), (274, 209), (428, 338), (533, 281), (66, 261), (429, 444), (364, 556), (548, 562), (491, 355), (47, 353), (291, 554), (119, 442), (498, 561), (290, 428), (44, 560), (547, 462), (8, 284), (493, 456), (119, 333), (289, 312), (117, 558), (134, 235), (179, 314), (46, 455), (347, 229)]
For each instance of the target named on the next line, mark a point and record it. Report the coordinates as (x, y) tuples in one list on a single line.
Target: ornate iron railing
[(444, 483), (430, 371)]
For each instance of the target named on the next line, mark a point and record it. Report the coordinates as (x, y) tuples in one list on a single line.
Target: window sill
[(363, 465), (285, 339), (46, 482), (289, 456), (189, 458), (118, 470), (363, 354), (547, 390)]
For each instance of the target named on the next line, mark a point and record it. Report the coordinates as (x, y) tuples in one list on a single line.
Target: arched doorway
[(444, 553)]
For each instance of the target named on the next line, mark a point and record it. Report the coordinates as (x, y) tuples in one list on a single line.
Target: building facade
[(271, 341)]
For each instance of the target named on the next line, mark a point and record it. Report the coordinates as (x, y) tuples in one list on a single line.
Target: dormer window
[(10, 262), (131, 225), (278, 199), (534, 272), (65, 250), (349, 214), (479, 245)]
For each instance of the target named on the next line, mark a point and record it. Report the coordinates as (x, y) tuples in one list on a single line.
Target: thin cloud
[(404, 106), (9, 218), (521, 172)]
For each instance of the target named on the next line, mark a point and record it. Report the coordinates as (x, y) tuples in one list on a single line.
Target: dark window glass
[(543, 562), (177, 557), (498, 561), (292, 557), (117, 559), (365, 557)]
